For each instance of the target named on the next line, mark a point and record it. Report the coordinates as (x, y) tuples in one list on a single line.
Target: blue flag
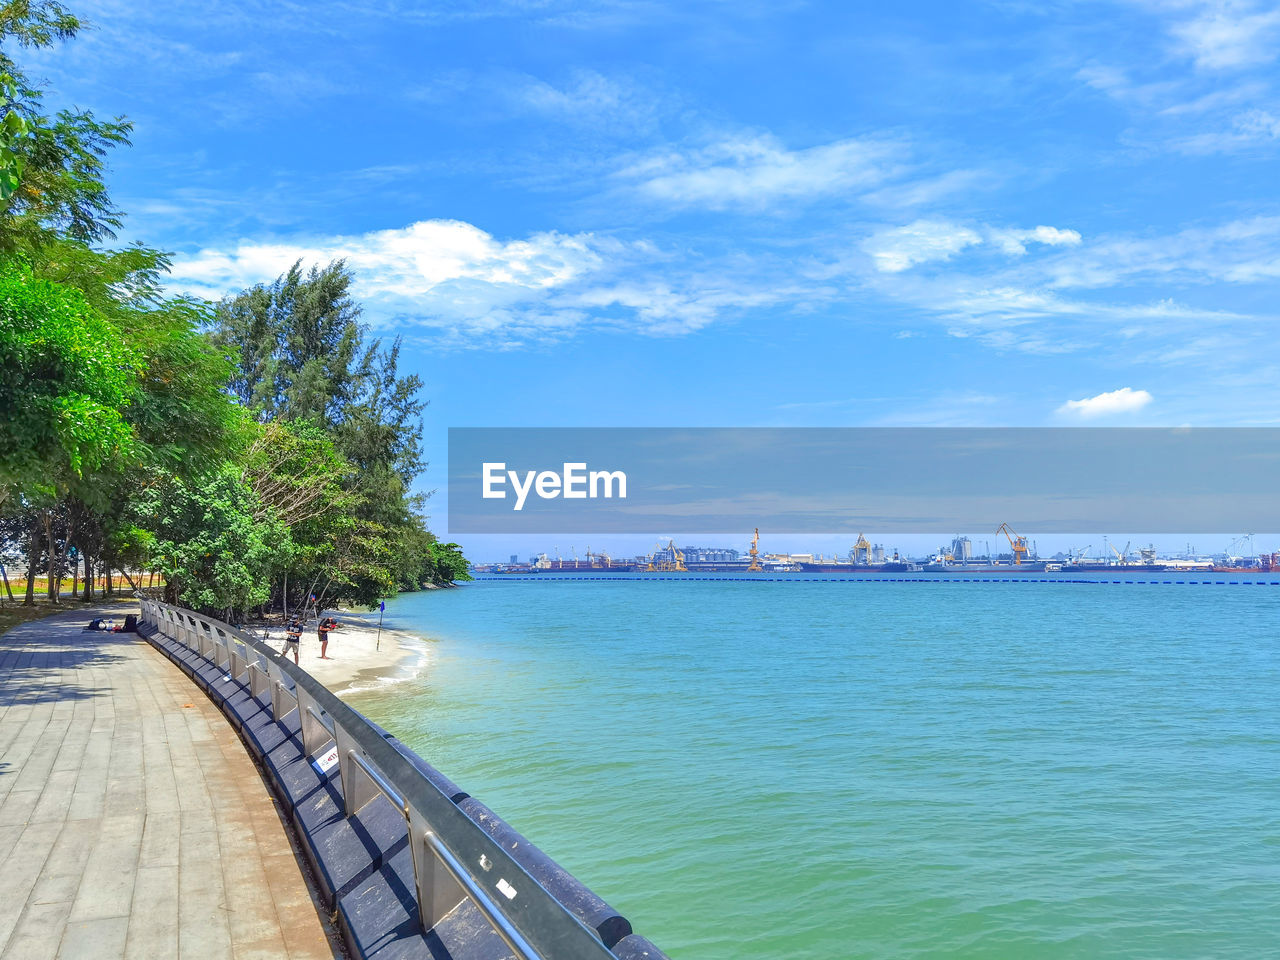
[(382, 605)]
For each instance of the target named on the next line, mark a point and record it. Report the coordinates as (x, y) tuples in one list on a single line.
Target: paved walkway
[(133, 823)]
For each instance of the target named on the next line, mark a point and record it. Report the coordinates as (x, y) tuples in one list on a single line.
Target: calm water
[(873, 769)]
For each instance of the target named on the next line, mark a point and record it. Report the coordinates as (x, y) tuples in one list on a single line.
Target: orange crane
[(754, 554), (674, 565), (1019, 544), (862, 550)]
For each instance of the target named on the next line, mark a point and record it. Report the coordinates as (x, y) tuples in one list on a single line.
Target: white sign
[(324, 763)]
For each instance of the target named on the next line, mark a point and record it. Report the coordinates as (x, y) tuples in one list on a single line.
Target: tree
[(216, 548), (66, 379), (302, 355), (59, 190), (447, 563)]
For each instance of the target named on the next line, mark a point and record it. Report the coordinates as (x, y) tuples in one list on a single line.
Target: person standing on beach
[(323, 628), (292, 637)]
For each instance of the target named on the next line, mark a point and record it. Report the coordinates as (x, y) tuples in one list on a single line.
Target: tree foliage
[(216, 547), (255, 450), (66, 377)]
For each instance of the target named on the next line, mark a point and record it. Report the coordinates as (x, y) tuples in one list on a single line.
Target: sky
[(747, 213)]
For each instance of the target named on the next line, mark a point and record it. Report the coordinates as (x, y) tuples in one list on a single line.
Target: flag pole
[(382, 608)]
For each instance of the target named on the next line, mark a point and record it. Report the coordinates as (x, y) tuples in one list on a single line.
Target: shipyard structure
[(961, 556)]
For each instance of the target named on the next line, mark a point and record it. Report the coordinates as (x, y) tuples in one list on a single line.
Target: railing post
[(438, 892), (259, 682), (281, 700), (314, 733), (358, 788)]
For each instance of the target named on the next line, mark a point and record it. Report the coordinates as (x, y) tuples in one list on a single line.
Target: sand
[(357, 660)]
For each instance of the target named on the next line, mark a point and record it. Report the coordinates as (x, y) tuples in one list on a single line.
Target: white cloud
[(927, 241), (468, 288), (754, 172), (413, 261), (1124, 400), (1014, 242), (924, 241), (443, 274), (1229, 35)]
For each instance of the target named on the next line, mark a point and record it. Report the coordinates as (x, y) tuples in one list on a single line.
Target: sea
[(875, 767)]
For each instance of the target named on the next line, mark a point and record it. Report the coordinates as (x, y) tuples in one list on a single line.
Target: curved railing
[(455, 859)]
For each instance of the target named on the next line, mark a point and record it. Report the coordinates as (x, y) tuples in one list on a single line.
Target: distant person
[(292, 637), (323, 628)]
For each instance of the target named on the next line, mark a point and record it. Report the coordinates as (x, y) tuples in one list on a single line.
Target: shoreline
[(357, 661)]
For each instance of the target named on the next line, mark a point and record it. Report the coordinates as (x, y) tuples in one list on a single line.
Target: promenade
[(133, 822)]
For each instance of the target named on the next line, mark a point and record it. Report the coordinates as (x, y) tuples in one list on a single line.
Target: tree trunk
[(110, 587), (33, 561), (53, 586), (7, 589), (129, 578), (87, 594), (75, 578)]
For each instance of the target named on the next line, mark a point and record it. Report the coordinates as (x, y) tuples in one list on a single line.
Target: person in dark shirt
[(323, 628), (292, 637)]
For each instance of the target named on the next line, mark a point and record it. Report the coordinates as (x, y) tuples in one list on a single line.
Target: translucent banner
[(844, 480)]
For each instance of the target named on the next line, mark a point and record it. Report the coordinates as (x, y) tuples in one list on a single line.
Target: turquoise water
[(811, 769)]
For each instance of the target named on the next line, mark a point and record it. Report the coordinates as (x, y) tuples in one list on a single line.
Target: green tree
[(301, 354), (448, 565), (66, 379), (59, 189), (215, 545)]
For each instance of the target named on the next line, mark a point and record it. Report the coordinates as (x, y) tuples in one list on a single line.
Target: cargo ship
[(835, 566), (983, 566)]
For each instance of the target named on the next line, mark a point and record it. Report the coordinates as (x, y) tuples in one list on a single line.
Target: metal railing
[(454, 859)]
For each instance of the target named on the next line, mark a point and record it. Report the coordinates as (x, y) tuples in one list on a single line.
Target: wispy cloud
[(927, 241), (1251, 128), (1237, 252), (1210, 89), (1124, 400), (753, 172), (586, 96), (1226, 35)]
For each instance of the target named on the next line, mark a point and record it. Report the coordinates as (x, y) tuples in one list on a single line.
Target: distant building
[(514, 559), (877, 553), (962, 548), (710, 554)]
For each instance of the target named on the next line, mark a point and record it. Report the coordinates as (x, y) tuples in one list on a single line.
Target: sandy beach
[(357, 659)]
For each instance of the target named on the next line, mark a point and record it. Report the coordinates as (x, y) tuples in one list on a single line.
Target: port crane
[(1122, 557), (862, 550), (754, 554), (1019, 544), (1240, 542), (675, 564)]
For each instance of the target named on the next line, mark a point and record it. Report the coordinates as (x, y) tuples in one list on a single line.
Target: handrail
[(521, 911)]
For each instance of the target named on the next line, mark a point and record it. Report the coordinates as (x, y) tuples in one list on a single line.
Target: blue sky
[(732, 213)]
